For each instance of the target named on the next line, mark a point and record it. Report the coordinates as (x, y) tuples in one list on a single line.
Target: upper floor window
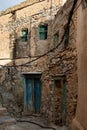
[(56, 38), (43, 32), (24, 34)]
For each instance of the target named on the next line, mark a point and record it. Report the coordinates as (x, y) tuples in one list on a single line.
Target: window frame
[(24, 37), (43, 31)]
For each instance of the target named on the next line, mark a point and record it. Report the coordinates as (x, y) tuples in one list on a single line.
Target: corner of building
[(76, 125)]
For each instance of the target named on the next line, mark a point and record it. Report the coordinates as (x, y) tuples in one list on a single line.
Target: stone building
[(39, 59), (62, 67)]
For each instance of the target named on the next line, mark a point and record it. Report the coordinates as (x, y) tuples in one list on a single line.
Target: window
[(56, 38), (24, 35), (43, 32)]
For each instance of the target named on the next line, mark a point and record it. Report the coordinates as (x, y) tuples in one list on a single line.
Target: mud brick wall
[(60, 63), (30, 15)]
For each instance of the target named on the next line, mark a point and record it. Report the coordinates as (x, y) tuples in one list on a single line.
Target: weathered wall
[(12, 84), (27, 15), (61, 62), (13, 20), (80, 123), (4, 39)]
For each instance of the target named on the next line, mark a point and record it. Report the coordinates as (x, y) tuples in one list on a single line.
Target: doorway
[(60, 100), (32, 93)]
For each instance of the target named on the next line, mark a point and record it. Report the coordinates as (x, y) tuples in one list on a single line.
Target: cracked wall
[(60, 62)]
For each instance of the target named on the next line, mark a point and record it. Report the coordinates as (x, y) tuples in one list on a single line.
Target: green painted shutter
[(43, 32), (24, 35)]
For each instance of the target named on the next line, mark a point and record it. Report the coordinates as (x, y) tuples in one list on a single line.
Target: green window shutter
[(24, 38), (43, 32), (24, 35), (42, 36), (42, 29)]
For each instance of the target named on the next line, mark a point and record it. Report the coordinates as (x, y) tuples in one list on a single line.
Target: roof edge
[(19, 6)]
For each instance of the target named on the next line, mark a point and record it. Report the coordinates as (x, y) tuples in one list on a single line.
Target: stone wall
[(30, 16), (62, 62), (58, 66)]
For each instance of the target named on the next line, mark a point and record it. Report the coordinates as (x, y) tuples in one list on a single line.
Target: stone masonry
[(55, 58)]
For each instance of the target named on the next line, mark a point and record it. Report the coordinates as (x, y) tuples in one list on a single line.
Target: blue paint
[(33, 94), (29, 94), (37, 94)]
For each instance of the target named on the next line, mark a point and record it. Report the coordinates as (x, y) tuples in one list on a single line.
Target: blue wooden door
[(37, 95), (33, 94), (29, 94)]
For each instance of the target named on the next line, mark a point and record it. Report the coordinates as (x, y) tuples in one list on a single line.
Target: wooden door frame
[(30, 75), (62, 78)]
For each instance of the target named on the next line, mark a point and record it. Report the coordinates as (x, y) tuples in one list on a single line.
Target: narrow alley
[(43, 63), (35, 122), (26, 123)]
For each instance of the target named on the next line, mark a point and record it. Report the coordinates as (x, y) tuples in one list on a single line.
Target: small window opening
[(43, 32), (56, 38), (24, 34)]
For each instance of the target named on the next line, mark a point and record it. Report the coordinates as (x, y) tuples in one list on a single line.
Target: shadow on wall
[(11, 91)]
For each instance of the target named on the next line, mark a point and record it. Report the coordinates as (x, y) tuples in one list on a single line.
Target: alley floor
[(31, 123)]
